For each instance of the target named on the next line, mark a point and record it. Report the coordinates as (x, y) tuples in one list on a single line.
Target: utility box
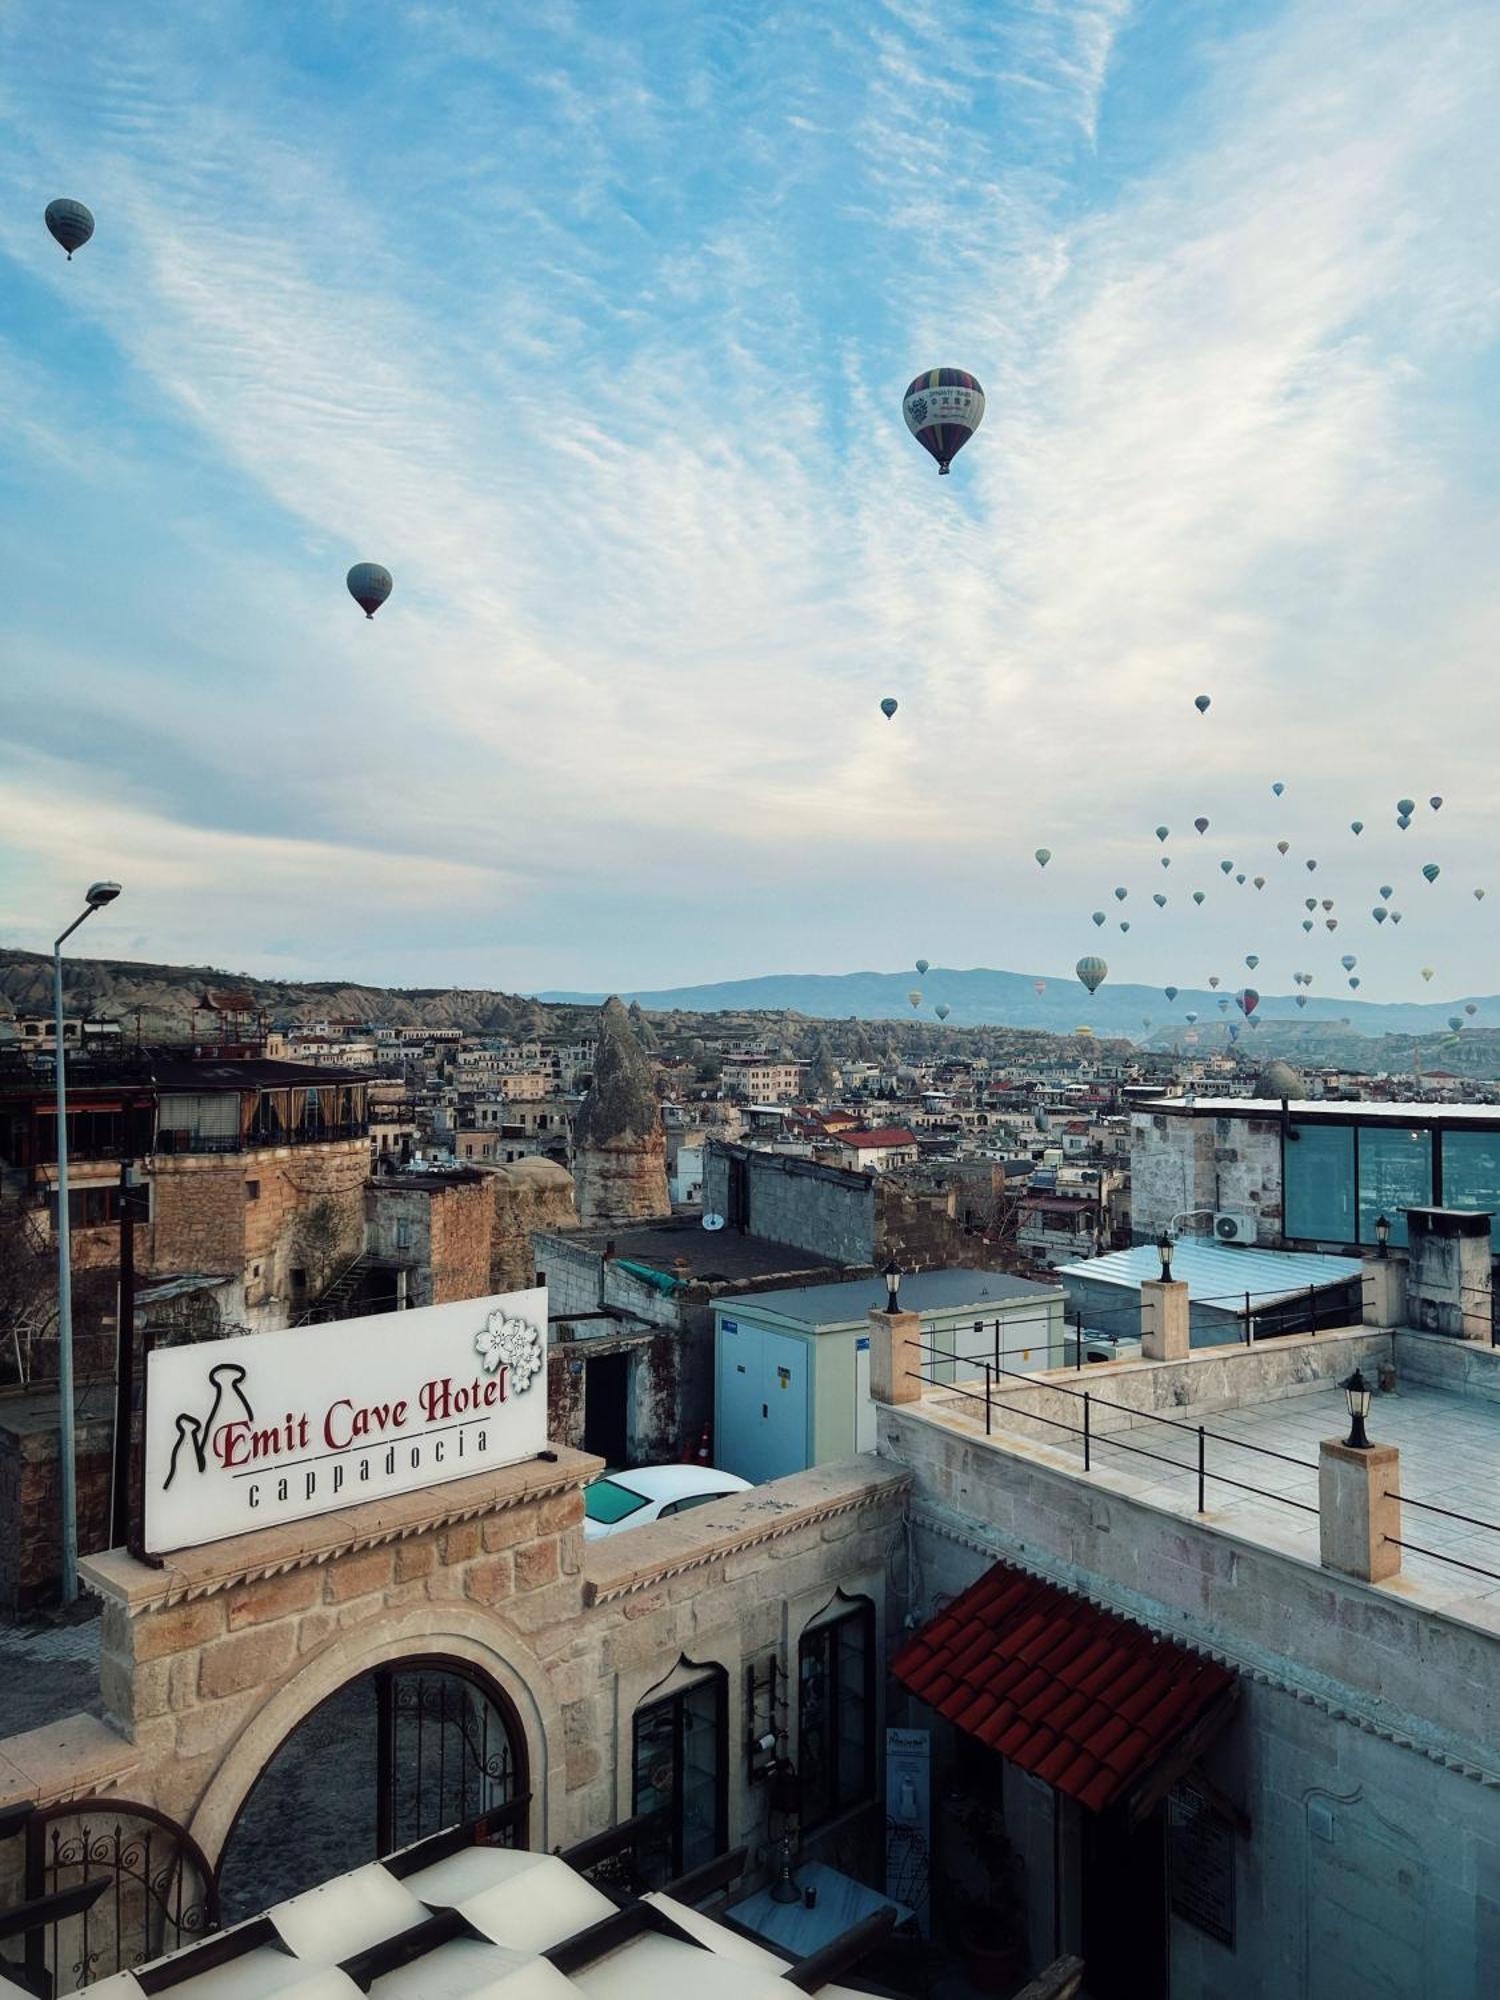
[(792, 1367)]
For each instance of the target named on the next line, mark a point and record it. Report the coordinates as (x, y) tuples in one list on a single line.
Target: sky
[(591, 321)]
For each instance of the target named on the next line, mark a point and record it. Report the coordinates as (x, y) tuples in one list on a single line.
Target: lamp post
[(1164, 1251), (98, 895), (1357, 1395), (892, 1276), (1382, 1236)]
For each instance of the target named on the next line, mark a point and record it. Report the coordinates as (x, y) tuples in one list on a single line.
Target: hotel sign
[(274, 1427)]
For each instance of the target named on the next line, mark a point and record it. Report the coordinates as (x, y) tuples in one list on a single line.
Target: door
[(738, 1428), (606, 1398), (784, 1379), (763, 1401), (1125, 1904)]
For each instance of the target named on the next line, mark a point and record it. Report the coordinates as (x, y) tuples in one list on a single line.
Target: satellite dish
[(712, 1221)]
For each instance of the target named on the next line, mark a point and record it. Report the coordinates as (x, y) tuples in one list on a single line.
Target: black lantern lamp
[(1357, 1396), (1164, 1251), (892, 1276), (1382, 1236)]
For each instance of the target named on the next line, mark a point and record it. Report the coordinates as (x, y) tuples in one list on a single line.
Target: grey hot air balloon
[(1278, 788), (1455, 1022), (1283, 847), (1479, 895), (1471, 1010), (1093, 972), (942, 1010), (1201, 824), (1380, 913), (1170, 991), (1251, 960), (1162, 832), (1160, 901), (1226, 867), (1386, 892), (1356, 826), (1312, 867), (922, 965), (1354, 983), (1190, 1018), (1202, 703), (69, 223), (1260, 881), (1307, 923), (1126, 925), (1197, 895), (1436, 801), (1213, 980), (1406, 807), (889, 706), (1099, 920), (1301, 999), (1043, 856), (1121, 894), (1395, 916), (1348, 961), (369, 586)]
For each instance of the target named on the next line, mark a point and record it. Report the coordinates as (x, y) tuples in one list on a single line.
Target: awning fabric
[(1071, 1693)]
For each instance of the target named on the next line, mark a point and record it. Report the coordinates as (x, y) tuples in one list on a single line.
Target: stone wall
[(30, 1503), (529, 1195), (1180, 1163), (211, 1661), (826, 1211)]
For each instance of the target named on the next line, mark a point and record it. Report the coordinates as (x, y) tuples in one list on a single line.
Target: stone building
[(619, 1147)]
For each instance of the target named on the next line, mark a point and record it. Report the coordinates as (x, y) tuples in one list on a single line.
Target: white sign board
[(274, 1427)]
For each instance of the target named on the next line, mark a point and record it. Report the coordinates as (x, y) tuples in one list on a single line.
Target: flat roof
[(1325, 1107), (711, 1254), (1218, 1272), (922, 1292)]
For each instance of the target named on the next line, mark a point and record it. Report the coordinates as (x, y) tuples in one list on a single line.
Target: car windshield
[(608, 1501)]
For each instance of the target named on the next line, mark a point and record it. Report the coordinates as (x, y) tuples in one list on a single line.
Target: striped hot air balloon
[(943, 408)]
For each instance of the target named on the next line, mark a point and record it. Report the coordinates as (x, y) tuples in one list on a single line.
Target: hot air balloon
[(1386, 892), (1406, 807), (1043, 856), (1455, 1022), (915, 997), (1190, 1018), (1278, 788), (922, 965), (1099, 918), (1471, 1010), (1348, 961), (1166, 861), (1222, 1003), (1145, 1020), (1241, 880), (1354, 982), (943, 408), (1330, 923), (1356, 826), (1125, 926), (889, 706), (1120, 895), (1379, 914), (1307, 923), (1283, 846), (1093, 972), (1248, 1001), (1403, 820), (1170, 991), (1431, 871), (1201, 824), (1311, 867), (1427, 973), (1160, 901), (1479, 895), (1213, 980), (1328, 902), (1226, 867), (369, 586), (1395, 916), (1260, 881), (70, 224), (1301, 999), (942, 1010), (1436, 801), (1162, 832), (1202, 703), (1309, 903), (1251, 960), (1234, 1031), (1197, 895)]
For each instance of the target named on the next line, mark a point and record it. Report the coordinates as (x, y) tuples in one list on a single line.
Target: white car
[(620, 1500)]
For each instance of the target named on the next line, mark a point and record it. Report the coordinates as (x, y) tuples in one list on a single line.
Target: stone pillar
[(1448, 1281), (895, 1357), (1165, 1322), (1383, 1291), (1359, 1509)]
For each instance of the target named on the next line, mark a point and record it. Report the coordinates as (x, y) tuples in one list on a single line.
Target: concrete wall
[(1179, 1163), (824, 1211), (1364, 1751), (1438, 1361)]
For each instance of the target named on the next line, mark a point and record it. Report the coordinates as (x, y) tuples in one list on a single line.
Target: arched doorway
[(394, 1755)]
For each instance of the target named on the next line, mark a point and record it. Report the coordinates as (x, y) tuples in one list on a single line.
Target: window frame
[(823, 1632), (688, 1679)]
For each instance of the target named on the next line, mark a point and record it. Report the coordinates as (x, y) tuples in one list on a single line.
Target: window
[(836, 1710), (403, 1232), (252, 1190), (88, 1207), (680, 1773), (1320, 1183), (1395, 1174)]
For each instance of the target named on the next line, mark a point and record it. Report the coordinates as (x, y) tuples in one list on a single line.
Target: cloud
[(595, 330)]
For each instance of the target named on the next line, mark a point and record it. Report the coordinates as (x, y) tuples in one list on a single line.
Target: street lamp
[(1382, 1236), (98, 895), (1164, 1251), (1357, 1395), (892, 1276)]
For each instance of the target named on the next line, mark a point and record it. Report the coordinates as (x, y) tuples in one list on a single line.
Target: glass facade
[(1395, 1173), (1471, 1175), (1319, 1193)]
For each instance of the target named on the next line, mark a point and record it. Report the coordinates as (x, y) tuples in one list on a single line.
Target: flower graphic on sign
[(918, 409), (512, 1344)]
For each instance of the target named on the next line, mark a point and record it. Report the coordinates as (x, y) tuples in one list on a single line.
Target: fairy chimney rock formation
[(619, 1147)]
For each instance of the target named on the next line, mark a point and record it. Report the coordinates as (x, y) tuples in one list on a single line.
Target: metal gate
[(158, 1894)]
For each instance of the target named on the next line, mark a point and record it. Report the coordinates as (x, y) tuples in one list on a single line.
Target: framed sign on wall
[(275, 1427)]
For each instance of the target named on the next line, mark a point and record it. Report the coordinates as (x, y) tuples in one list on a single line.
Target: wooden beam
[(1182, 1755)]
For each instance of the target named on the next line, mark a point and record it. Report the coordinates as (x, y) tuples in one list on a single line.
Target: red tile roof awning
[(1071, 1693)]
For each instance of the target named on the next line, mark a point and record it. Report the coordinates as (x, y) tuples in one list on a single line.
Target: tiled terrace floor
[(1450, 1455)]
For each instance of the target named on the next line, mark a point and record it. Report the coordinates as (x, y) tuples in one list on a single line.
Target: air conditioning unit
[(1231, 1227)]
